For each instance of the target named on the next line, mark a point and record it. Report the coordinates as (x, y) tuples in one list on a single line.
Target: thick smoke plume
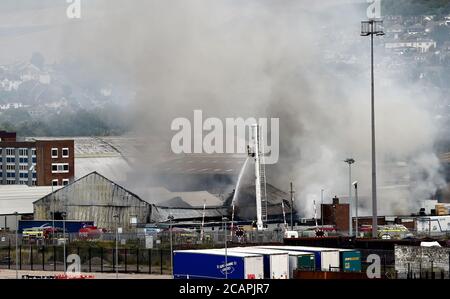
[(301, 61)]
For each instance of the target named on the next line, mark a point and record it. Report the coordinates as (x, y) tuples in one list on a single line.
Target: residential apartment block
[(36, 163)]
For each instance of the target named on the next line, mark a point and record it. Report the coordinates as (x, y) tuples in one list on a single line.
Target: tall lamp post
[(171, 243), (373, 28), (321, 206), (53, 217), (63, 216), (17, 244), (116, 217), (355, 184), (292, 207), (350, 161), (225, 219)]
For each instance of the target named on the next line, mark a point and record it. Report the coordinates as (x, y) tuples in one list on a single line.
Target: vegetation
[(78, 122), (415, 7)]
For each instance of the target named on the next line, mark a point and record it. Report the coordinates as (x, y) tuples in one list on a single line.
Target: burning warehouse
[(213, 184)]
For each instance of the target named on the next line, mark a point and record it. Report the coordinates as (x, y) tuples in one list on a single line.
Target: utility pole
[(350, 161), (224, 220), (373, 28), (171, 242), (117, 245), (17, 244), (321, 206), (356, 204), (292, 207)]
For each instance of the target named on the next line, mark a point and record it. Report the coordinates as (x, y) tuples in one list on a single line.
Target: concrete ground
[(11, 274)]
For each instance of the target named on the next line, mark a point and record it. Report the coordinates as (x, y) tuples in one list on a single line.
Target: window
[(23, 152), (65, 182), (23, 160), (65, 152), (33, 152), (10, 167), (54, 153), (60, 167), (55, 182), (10, 160), (10, 152)]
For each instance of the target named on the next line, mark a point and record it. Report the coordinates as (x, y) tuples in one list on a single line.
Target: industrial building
[(96, 198), (336, 214), (19, 198), (93, 198), (230, 178), (35, 162)]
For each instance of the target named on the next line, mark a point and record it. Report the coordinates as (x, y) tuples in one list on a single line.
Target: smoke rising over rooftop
[(301, 61)]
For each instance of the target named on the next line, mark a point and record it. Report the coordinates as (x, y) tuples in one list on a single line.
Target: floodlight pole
[(224, 220), (17, 244), (350, 161), (321, 206), (292, 207), (117, 246), (373, 27), (171, 242)]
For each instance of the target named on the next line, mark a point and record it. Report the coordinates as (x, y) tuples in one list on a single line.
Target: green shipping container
[(306, 262), (350, 260)]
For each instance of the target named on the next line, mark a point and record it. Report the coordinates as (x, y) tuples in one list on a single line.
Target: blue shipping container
[(204, 264)]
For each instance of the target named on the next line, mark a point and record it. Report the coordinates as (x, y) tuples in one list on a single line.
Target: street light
[(63, 216), (355, 183), (225, 219), (171, 244), (17, 246), (350, 161), (321, 206), (117, 245), (292, 207), (371, 28)]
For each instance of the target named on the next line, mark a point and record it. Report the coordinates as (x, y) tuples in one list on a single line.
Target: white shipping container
[(293, 259), (278, 261), (329, 258)]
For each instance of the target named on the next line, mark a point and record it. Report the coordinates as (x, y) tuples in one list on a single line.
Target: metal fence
[(93, 259), (161, 239)]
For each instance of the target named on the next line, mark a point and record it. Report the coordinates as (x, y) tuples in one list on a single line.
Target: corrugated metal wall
[(94, 198)]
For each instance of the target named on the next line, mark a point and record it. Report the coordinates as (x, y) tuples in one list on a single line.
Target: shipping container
[(214, 264), (300, 260), (276, 263), (350, 260), (326, 259)]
